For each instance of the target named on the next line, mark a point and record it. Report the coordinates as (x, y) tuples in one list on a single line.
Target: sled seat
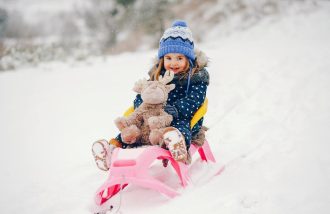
[(131, 166)]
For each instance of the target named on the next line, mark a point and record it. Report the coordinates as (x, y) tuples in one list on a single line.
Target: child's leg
[(102, 151), (198, 133)]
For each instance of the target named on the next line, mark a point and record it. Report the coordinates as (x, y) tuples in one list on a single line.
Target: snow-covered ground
[(269, 120)]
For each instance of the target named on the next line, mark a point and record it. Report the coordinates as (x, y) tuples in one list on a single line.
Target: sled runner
[(130, 166)]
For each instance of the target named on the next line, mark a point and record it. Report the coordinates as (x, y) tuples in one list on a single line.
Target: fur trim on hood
[(201, 58)]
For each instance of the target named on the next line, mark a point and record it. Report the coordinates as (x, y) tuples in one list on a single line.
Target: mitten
[(171, 110)]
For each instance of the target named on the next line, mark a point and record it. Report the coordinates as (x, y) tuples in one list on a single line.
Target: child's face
[(175, 62)]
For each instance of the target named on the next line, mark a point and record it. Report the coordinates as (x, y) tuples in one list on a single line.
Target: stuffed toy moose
[(147, 123)]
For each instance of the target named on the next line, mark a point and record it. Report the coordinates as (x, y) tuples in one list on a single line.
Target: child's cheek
[(167, 67)]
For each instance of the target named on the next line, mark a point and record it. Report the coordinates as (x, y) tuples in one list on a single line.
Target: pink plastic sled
[(130, 166)]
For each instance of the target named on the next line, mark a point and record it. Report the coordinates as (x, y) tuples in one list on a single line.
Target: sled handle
[(199, 113), (197, 116), (129, 111)]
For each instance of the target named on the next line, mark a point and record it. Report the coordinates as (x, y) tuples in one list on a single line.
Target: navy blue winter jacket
[(186, 103)]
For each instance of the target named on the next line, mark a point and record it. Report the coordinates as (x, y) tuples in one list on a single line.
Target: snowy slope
[(268, 116)]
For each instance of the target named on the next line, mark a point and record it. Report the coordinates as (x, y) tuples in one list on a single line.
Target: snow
[(268, 115)]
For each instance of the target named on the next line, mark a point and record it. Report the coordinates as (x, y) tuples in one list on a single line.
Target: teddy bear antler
[(166, 78)]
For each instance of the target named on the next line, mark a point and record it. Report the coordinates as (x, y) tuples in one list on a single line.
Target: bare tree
[(104, 19), (153, 15)]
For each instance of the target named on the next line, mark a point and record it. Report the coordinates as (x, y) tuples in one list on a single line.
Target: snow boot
[(102, 150), (176, 144), (199, 138)]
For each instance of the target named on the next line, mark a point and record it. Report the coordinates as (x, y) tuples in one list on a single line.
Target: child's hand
[(171, 110)]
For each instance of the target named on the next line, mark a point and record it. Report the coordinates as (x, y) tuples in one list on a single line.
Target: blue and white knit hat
[(177, 39)]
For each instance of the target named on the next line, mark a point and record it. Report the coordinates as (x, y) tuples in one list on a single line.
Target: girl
[(176, 53)]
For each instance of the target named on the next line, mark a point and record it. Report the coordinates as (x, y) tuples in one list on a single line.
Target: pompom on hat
[(177, 39)]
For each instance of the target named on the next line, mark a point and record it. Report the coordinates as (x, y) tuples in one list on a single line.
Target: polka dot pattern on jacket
[(186, 103)]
